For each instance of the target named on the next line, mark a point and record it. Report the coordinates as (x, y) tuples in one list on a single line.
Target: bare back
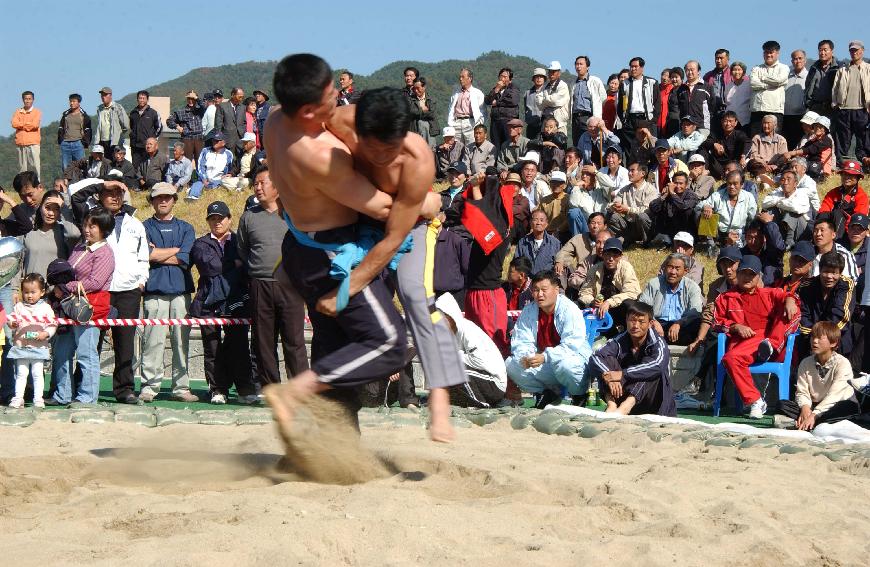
[(315, 178), (408, 177)]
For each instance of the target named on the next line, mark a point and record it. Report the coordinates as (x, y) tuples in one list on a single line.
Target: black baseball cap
[(218, 93), (217, 208), (729, 253), (860, 220), (662, 144), (751, 263), (805, 250), (458, 167), (612, 244)]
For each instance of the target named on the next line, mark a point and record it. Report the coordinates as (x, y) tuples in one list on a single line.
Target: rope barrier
[(195, 322), (190, 322)]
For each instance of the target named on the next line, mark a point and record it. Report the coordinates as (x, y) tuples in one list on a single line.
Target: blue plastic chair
[(782, 370), (595, 325)]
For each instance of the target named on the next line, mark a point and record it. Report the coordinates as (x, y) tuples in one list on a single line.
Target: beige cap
[(191, 94), (105, 90), (162, 188)]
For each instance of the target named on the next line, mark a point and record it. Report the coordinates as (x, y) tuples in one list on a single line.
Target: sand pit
[(123, 494)]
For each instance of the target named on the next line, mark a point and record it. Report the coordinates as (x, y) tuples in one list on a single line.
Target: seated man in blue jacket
[(549, 349), (633, 368), (539, 246)]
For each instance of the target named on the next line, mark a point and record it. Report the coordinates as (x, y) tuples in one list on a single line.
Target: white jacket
[(476, 349), (768, 87), (808, 185), (596, 91), (556, 101), (536, 192), (797, 203), (131, 255), (478, 108)]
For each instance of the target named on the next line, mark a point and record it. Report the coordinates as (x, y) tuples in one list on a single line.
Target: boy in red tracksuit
[(757, 320)]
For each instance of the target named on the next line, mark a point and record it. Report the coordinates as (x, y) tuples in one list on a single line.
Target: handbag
[(76, 306)]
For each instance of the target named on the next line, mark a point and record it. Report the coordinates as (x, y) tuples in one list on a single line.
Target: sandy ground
[(122, 494)]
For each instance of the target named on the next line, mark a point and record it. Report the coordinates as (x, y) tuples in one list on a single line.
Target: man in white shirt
[(533, 187), (806, 183), (587, 97), (788, 207), (466, 109), (130, 245), (795, 99), (767, 82)]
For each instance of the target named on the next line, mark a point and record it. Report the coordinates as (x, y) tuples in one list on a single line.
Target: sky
[(82, 46)]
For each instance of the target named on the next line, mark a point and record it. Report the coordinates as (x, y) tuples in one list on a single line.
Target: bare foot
[(611, 407), (285, 398), (626, 406), (440, 428)]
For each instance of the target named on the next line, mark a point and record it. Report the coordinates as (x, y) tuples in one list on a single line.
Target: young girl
[(30, 342)]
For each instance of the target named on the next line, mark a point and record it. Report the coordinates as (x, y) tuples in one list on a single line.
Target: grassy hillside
[(442, 77)]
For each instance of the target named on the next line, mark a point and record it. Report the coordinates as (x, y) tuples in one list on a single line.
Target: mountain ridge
[(441, 77)]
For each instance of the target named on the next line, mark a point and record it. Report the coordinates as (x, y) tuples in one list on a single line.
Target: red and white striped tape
[(190, 322), (133, 322)]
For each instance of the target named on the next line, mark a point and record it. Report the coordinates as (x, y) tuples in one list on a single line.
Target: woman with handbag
[(83, 299)]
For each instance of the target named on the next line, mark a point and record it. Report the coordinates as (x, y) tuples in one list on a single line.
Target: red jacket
[(477, 221), (849, 204), (763, 311)]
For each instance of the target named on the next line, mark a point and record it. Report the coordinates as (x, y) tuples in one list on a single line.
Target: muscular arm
[(341, 183), (411, 192)]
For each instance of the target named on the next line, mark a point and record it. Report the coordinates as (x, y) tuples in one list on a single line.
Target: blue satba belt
[(348, 255)]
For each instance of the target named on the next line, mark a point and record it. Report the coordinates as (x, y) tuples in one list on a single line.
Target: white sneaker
[(861, 384), (16, 403), (758, 409), (39, 403), (218, 399)]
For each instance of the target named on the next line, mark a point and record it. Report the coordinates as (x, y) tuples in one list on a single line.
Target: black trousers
[(364, 342), (227, 359), (478, 392), (498, 132), (838, 411), (791, 130), (137, 156), (383, 392), (277, 310), (578, 125), (850, 123), (127, 303), (533, 127), (687, 334)]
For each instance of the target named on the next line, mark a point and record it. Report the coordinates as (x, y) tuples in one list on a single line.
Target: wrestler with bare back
[(323, 196)]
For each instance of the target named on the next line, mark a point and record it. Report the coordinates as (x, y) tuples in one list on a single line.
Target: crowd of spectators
[(565, 180)]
